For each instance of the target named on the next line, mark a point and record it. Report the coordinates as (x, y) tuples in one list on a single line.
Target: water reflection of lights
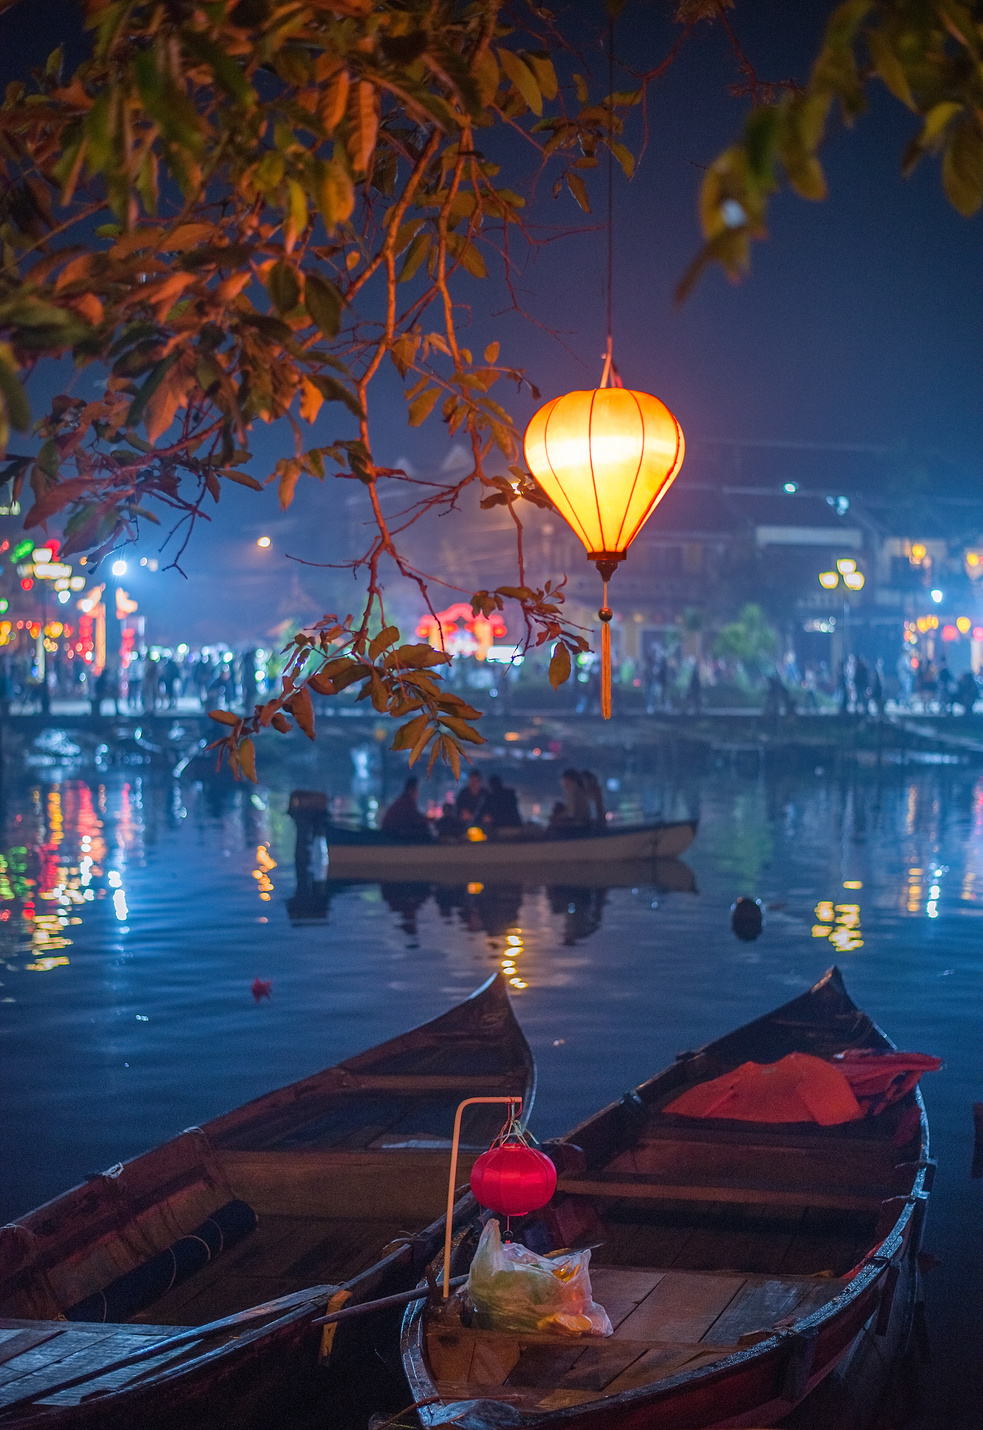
[(264, 864), (840, 923), (514, 946), (42, 909)]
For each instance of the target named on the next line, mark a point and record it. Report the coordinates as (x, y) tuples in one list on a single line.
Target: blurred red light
[(949, 633), (26, 583), (978, 633)]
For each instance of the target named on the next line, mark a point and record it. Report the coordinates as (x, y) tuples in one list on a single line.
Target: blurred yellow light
[(512, 735), (829, 580), (846, 564), (821, 930), (852, 884), (475, 888), (476, 835), (918, 552), (54, 628), (972, 558), (963, 623), (853, 580), (264, 541)]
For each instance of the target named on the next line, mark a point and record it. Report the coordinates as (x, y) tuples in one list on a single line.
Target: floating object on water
[(262, 988), (745, 919)]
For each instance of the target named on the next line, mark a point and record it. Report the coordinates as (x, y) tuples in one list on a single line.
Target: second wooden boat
[(741, 1263), (324, 1193)]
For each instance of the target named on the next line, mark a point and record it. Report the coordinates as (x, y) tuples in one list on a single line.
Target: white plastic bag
[(512, 1289)]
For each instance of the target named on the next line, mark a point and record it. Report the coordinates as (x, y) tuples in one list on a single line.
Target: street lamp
[(264, 541), (853, 580), (936, 597), (829, 580), (119, 568)]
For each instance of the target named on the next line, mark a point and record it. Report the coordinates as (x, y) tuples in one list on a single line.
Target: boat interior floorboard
[(664, 1319), (284, 1254)]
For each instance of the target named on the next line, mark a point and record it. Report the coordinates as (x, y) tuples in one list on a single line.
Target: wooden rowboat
[(741, 1263), (368, 853), (343, 1176)]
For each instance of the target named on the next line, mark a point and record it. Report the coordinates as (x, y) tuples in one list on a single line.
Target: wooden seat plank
[(682, 1308), (639, 1186)]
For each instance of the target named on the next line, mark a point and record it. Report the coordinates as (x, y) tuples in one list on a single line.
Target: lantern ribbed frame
[(605, 458), (513, 1179)]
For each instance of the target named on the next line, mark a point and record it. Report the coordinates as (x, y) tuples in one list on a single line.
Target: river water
[(137, 910)]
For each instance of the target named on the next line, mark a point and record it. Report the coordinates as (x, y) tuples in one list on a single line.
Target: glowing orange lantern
[(605, 459), (513, 1179)]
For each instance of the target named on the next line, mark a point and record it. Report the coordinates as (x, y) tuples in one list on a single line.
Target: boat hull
[(695, 1347), (272, 1153), (547, 857)]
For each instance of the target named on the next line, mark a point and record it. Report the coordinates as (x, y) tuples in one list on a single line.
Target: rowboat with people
[(179, 1289), (755, 1215)]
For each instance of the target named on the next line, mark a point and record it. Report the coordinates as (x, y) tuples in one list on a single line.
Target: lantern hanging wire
[(606, 568), (605, 457)]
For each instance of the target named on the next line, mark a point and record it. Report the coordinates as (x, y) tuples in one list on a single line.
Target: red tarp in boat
[(803, 1088), (880, 1078)]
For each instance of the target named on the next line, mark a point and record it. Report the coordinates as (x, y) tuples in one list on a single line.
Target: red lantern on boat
[(513, 1179)]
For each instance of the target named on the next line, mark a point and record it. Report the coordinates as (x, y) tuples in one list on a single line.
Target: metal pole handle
[(448, 1230)]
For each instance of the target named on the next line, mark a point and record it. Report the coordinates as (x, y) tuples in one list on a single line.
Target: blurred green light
[(22, 549)]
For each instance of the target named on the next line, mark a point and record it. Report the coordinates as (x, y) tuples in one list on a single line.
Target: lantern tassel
[(605, 614)]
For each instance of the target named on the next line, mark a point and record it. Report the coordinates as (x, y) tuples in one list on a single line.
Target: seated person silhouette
[(404, 818), (499, 809)]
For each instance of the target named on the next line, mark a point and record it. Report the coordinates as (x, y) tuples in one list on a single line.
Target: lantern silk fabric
[(605, 459), (513, 1179)]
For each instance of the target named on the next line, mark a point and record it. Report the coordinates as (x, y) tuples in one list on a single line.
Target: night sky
[(860, 321)]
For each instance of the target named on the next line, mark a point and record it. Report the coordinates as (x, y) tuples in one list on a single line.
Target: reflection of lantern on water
[(605, 458), (474, 636)]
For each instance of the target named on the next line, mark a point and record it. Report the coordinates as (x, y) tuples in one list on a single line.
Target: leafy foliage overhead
[(927, 53)]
